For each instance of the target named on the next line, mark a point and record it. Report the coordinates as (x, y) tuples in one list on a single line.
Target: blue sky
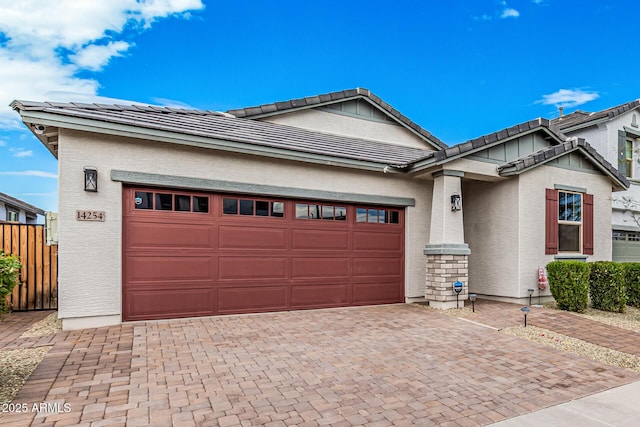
[(460, 69)]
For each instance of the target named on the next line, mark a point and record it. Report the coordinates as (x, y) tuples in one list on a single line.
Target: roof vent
[(560, 110)]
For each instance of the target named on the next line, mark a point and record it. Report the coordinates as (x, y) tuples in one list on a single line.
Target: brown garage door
[(191, 254)]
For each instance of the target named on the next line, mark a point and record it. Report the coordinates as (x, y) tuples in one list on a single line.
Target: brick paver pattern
[(374, 366)]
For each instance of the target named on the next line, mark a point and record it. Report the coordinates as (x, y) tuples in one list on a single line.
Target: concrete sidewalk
[(618, 407)]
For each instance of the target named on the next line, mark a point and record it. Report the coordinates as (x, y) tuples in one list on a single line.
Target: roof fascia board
[(306, 107), (173, 181), (512, 170), (116, 129), (585, 125), (430, 162)]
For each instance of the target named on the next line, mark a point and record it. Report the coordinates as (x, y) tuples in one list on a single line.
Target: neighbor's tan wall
[(90, 252), (350, 126), (491, 230), (532, 217)]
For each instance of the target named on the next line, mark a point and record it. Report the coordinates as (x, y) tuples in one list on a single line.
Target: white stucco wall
[(604, 138), (350, 126), (90, 260)]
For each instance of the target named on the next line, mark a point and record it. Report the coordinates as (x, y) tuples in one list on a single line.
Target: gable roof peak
[(282, 107), (584, 118)]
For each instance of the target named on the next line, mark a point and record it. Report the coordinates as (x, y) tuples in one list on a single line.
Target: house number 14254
[(90, 215)]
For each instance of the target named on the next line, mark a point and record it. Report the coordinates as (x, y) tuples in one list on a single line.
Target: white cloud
[(568, 98), (509, 13), (95, 57), (22, 153), (45, 44), (50, 194), (41, 174)]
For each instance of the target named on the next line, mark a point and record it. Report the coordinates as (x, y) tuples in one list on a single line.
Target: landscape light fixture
[(456, 202), (472, 298), (90, 179), (457, 288), (530, 294), (525, 310)]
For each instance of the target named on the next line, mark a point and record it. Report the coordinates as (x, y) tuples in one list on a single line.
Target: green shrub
[(632, 276), (9, 271), (607, 287), (569, 284)]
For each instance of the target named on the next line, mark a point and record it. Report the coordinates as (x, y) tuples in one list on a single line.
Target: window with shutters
[(628, 146), (569, 222), (628, 157)]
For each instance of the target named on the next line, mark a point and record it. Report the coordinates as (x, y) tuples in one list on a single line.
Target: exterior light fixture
[(530, 294), (525, 311), (90, 179), (472, 298), (456, 202), (457, 288)]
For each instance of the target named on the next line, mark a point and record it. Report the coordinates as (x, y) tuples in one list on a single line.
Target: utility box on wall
[(51, 228)]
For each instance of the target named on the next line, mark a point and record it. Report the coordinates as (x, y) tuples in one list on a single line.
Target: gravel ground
[(15, 368), (576, 346), (17, 365), (48, 325)]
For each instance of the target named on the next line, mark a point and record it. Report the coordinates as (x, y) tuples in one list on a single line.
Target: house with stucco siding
[(17, 211), (615, 132), (326, 201)]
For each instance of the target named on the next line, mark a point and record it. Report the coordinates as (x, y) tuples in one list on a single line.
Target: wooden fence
[(38, 289)]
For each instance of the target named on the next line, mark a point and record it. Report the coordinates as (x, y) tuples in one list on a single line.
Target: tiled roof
[(20, 204), (221, 126), (582, 117), (543, 156), (494, 138), (328, 98)]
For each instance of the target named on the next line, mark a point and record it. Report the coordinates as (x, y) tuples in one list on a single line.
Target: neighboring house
[(615, 133), (17, 211), (326, 201)]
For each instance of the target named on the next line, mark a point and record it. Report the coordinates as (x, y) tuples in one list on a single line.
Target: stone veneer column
[(447, 254), (446, 264)]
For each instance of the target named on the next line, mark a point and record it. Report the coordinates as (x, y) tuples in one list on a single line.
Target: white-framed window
[(569, 222)]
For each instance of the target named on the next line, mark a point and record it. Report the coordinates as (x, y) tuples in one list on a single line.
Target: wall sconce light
[(90, 179), (456, 202)]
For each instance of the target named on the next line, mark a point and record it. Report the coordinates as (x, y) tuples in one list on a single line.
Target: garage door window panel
[(143, 200), (200, 204), (377, 216), (164, 202), (182, 203)]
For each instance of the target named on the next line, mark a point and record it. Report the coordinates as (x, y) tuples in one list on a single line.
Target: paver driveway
[(375, 366)]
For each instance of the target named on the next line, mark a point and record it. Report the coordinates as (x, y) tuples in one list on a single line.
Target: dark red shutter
[(587, 225), (551, 222)]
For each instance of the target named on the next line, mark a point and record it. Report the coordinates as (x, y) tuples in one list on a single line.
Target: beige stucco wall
[(532, 207), (350, 126), (505, 228), (491, 231), (90, 263)]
